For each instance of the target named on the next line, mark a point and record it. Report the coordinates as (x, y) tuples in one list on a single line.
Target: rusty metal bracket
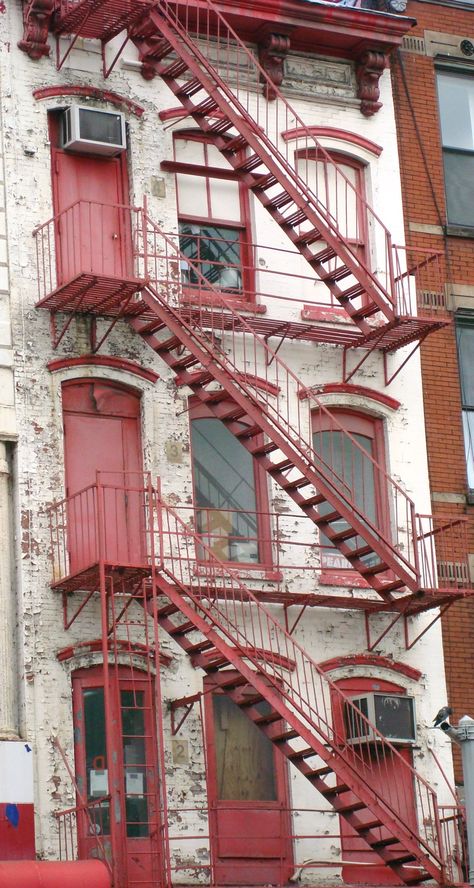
[(285, 328), (389, 379), (185, 703), (367, 352), (107, 71), (409, 644), (298, 618), (96, 345), (57, 338)]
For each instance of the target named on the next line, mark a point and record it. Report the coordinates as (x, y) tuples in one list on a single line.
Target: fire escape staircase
[(226, 632), (216, 78), (222, 626)]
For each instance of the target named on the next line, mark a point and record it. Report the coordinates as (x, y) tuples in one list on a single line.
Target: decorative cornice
[(346, 388), (89, 92), (332, 132), (371, 660), (272, 51), (103, 361), (36, 21), (369, 69)]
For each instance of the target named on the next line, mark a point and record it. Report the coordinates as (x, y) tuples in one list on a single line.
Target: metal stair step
[(294, 220), (248, 164), (338, 274), (370, 570), (352, 808), (189, 88), (182, 629), (384, 843), (267, 718), (325, 255), (329, 519), (263, 449), (294, 485), (306, 238), (168, 344), (351, 293), (184, 363), (315, 500), (302, 754), (284, 736), (174, 70), (366, 311), (338, 789)]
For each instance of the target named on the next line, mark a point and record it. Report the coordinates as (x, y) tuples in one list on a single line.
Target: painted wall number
[(180, 751)]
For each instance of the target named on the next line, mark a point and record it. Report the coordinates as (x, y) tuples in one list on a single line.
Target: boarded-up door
[(250, 820), (93, 235), (394, 784), (102, 435)]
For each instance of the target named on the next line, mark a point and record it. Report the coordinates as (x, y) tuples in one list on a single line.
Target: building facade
[(228, 573), (433, 82)]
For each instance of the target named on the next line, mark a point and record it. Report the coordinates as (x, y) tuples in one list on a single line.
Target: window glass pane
[(224, 492), (216, 252), (134, 759), (456, 107), (244, 756), (96, 757), (459, 185), (465, 340)]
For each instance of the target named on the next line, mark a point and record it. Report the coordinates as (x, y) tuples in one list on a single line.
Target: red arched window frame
[(345, 203), (369, 433), (217, 524), (221, 243)]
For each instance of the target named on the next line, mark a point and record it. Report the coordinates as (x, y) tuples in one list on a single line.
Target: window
[(465, 342), (352, 472), (456, 109), (229, 493), (213, 218), (343, 199)]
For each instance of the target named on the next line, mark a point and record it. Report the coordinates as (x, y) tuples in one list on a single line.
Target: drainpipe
[(464, 736), (8, 664)]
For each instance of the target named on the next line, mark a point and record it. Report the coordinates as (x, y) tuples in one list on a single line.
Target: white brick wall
[(45, 697)]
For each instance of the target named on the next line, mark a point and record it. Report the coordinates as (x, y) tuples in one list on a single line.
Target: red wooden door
[(94, 235), (102, 435), (363, 866), (132, 712), (247, 784)]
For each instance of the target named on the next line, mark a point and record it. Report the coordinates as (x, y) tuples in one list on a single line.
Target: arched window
[(354, 472), (343, 194), (213, 214), (230, 493)]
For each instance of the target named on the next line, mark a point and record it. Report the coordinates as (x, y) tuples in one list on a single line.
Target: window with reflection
[(229, 493), (456, 111), (465, 343), (213, 219)]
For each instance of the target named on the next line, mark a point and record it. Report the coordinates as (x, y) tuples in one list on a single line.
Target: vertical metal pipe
[(8, 665)]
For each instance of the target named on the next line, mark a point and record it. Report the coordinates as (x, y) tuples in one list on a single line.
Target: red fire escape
[(190, 46)]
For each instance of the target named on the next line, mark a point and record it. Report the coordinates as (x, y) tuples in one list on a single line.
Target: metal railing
[(225, 606), (109, 521), (88, 237), (223, 64)]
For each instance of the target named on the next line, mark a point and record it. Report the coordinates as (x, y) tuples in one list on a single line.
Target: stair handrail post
[(415, 539), (144, 216)]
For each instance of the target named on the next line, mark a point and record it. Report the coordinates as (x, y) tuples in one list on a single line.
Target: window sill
[(330, 314), (465, 231), (208, 299), (249, 570), (340, 577)]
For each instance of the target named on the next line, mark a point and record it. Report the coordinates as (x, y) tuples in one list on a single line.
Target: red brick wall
[(424, 202)]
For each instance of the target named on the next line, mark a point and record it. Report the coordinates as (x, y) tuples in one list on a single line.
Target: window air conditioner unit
[(91, 131), (392, 714)]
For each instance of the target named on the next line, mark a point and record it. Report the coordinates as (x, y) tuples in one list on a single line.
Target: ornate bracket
[(36, 21), (272, 51), (369, 68)]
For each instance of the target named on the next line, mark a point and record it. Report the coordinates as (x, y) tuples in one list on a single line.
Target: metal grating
[(99, 19)]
